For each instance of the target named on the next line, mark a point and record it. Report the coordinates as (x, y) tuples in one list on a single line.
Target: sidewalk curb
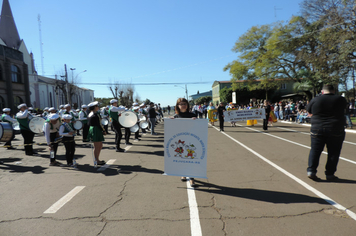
[(288, 122)]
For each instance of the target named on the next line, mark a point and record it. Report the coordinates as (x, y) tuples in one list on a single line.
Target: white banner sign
[(239, 115), (185, 147)]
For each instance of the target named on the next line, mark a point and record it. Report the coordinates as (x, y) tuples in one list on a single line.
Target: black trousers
[(127, 135), (52, 137), (265, 123), (69, 144), (118, 134), (85, 131), (221, 121), (28, 136), (333, 139), (106, 128)]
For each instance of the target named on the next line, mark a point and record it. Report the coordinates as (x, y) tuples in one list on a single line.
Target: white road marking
[(309, 134), (61, 202), (108, 163), (304, 184), (289, 141), (195, 228), (128, 147)]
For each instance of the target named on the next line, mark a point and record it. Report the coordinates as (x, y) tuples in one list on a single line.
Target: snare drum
[(134, 128), (128, 119), (36, 124), (144, 124), (6, 132), (104, 121), (78, 125), (16, 126), (141, 117)]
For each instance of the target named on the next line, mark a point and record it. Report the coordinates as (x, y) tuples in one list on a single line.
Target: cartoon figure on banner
[(191, 151), (178, 146)]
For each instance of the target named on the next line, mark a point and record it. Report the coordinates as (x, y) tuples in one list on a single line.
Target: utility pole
[(41, 43), (186, 91), (67, 87)]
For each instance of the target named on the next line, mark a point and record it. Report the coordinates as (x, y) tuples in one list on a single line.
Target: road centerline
[(195, 227), (66, 198), (108, 163), (296, 179), (299, 144)]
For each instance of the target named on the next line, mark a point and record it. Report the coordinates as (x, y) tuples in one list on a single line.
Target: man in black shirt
[(327, 127), (221, 110), (152, 117)]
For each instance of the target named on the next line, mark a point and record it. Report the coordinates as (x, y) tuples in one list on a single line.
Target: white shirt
[(117, 109), (61, 132), (81, 116), (47, 130), (22, 114), (9, 118)]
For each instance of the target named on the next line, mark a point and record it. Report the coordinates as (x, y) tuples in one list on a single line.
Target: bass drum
[(6, 132), (77, 125), (36, 124), (134, 128), (143, 124), (128, 119)]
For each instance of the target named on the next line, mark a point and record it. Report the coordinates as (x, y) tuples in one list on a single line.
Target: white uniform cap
[(52, 109), (121, 106), (142, 105), (22, 105), (45, 109), (30, 108), (77, 110), (53, 116), (107, 106), (6, 109), (136, 108), (66, 105), (84, 106), (61, 106), (67, 117), (135, 104), (93, 104), (113, 101)]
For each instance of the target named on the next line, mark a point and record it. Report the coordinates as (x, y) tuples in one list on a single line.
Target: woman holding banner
[(251, 122), (211, 109), (182, 111)]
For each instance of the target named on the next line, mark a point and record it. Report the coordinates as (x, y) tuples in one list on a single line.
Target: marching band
[(63, 125)]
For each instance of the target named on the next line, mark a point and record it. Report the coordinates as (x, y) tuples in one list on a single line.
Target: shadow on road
[(155, 153), (19, 169), (258, 194), (123, 169), (117, 169)]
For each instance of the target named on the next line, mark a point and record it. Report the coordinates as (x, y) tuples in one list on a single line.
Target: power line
[(206, 82)]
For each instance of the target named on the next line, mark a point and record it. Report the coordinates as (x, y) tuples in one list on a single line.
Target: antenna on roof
[(275, 11), (41, 43)]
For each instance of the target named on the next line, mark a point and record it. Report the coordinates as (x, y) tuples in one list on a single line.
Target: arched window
[(1, 78), (17, 101), (2, 103), (15, 74)]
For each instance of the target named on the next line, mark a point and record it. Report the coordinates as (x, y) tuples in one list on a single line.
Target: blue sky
[(143, 41)]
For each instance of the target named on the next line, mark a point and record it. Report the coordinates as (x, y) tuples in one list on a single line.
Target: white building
[(44, 91)]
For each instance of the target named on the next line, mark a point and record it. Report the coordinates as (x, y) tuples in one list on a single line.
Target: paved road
[(257, 186)]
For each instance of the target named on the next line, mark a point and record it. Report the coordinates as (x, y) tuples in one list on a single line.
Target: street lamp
[(186, 89)]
